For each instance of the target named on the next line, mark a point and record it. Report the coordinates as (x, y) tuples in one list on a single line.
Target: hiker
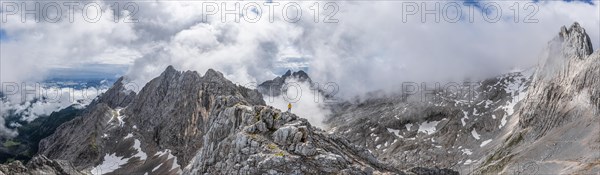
[(289, 107)]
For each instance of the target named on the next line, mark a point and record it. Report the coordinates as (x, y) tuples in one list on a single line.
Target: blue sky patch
[(3, 35)]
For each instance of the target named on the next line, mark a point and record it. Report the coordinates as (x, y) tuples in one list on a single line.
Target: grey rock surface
[(38, 165), (444, 129)]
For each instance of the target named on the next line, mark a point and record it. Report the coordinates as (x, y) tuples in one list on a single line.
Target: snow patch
[(118, 116), (396, 132), (111, 163), (464, 123), (475, 134), (428, 127), (468, 162), (136, 145), (408, 126), (502, 122), (485, 142), (466, 151)]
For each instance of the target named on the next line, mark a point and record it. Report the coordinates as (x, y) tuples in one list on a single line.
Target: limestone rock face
[(268, 141), (559, 120), (566, 85)]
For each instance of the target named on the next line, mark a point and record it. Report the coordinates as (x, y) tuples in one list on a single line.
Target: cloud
[(371, 38), (306, 102), (33, 47), (41, 101), (371, 47)]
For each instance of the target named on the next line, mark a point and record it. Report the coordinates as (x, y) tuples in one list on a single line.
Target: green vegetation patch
[(280, 154), (10, 143)]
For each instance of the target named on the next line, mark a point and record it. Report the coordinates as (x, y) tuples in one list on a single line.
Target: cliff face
[(566, 84), (559, 120)]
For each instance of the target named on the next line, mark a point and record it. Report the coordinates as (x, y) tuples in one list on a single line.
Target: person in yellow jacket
[(289, 107)]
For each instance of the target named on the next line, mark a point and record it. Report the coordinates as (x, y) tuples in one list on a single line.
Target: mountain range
[(543, 120)]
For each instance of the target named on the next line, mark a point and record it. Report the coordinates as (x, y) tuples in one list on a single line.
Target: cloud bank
[(372, 46), (376, 39)]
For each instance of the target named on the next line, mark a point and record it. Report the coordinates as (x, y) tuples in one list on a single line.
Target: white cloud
[(370, 48), (33, 48), (306, 102), (41, 101), (370, 38)]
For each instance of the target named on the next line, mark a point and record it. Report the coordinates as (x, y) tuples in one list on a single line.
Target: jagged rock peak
[(288, 73), (191, 81), (117, 95), (576, 38), (300, 75), (566, 85), (274, 87), (170, 70), (214, 75)]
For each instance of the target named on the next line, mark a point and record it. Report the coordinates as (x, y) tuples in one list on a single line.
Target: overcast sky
[(368, 46)]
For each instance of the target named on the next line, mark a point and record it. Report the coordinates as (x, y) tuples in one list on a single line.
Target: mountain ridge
[(181, 122)]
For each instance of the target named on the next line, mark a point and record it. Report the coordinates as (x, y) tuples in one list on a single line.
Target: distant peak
[(300, 73), (170, 70), (213, 73), (576, 40), (287, 74)]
